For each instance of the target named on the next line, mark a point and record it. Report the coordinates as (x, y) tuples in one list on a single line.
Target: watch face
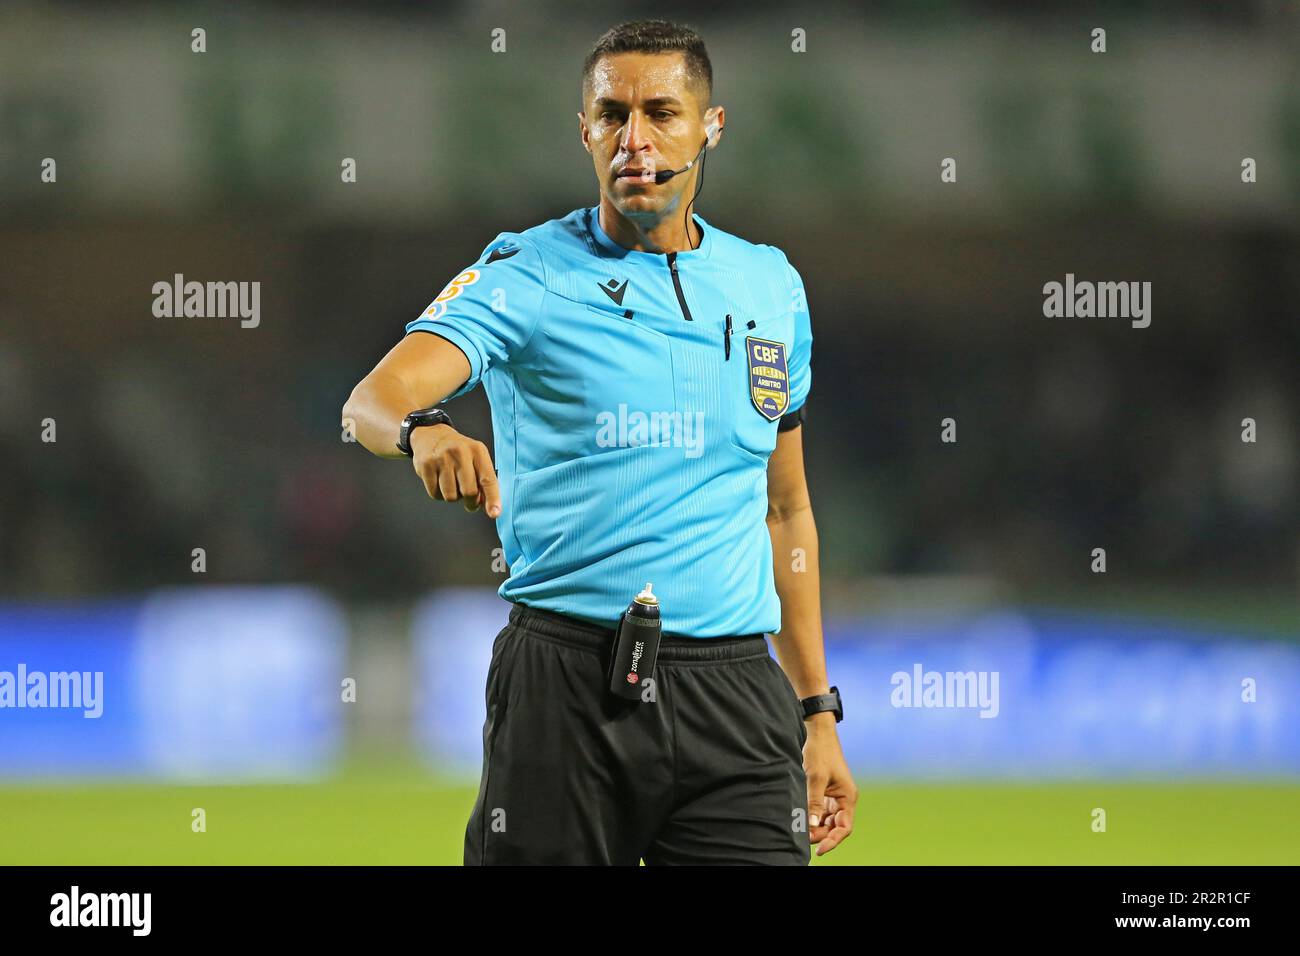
[(432, 416), (423, 416)]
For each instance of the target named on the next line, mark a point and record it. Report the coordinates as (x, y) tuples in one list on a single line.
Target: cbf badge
[(769, 380)]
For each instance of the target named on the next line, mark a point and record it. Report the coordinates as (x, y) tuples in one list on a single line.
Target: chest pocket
[(758, 382), (628, 381)]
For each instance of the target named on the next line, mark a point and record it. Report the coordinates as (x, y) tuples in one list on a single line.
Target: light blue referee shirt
[(635, 400)]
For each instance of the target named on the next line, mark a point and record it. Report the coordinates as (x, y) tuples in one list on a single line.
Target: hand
[(832, 794), (454, 467)]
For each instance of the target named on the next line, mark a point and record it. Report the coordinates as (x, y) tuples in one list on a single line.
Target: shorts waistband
[(588, 635)]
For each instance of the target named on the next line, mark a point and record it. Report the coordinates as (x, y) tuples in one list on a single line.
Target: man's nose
[(635, 132)]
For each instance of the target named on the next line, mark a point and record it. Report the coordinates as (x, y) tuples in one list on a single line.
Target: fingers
[(818, 831), (447, 483), (816, 800), (842, 826), (487, 480), (463, 465), (837, 824), (457, 468)]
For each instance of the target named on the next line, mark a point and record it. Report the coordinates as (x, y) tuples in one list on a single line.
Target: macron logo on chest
[(614, 289)]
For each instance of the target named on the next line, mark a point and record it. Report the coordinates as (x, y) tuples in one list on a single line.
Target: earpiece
[(711, 130)]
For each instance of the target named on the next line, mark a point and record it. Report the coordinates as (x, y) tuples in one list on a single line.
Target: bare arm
[(832, 794), (790, 525), (419, 371)]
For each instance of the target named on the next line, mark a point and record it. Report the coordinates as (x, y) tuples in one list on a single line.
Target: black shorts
[(710, 772)]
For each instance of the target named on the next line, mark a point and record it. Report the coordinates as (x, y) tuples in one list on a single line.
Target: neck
[(660, 233)]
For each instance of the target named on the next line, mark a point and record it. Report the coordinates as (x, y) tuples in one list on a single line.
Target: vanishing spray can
[(636, 645)]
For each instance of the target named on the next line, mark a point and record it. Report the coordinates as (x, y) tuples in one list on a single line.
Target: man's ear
[(714, 118), (582, 130)]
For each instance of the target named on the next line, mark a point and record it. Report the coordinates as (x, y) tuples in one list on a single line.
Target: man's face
[(643, 114)]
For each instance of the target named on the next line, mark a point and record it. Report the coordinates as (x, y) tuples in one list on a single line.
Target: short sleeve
[(490, 310), (801, 349)]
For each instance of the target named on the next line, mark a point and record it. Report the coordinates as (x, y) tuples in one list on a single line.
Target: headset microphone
[(663, 176)]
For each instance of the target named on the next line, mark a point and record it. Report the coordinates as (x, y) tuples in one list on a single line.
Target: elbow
[(358, 398), (352, 410), (779, 512)]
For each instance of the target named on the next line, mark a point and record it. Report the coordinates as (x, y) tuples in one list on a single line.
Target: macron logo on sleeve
[(501, 252)]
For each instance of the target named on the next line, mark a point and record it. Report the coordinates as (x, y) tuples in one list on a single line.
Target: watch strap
[(821, 703)]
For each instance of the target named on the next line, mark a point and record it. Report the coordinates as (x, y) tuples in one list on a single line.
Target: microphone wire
[(699, 187)]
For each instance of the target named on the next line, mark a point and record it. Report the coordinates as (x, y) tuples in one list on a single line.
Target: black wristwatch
[(423, 416), (824, 702)]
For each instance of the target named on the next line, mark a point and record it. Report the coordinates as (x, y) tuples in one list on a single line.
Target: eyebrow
[(604, 101)]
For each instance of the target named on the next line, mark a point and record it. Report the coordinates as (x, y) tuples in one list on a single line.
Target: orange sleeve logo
[(453, 289)]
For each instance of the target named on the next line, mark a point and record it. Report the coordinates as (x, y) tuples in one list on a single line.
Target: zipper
[(677, 285), (726, 338)]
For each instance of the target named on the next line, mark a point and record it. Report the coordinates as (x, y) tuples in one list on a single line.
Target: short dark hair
[(655, 36)]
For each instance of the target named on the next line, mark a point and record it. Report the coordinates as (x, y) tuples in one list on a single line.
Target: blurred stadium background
[(1121, 691)]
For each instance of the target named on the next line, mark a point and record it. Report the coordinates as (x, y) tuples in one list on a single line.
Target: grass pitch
[(400, 814)]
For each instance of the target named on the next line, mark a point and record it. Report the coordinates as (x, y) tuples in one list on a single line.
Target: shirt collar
[(684, 255)]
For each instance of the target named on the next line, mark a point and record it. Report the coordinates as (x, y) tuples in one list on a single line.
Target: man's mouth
[(637, 173)]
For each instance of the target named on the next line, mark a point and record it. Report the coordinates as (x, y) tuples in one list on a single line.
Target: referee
[(647, 374)]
